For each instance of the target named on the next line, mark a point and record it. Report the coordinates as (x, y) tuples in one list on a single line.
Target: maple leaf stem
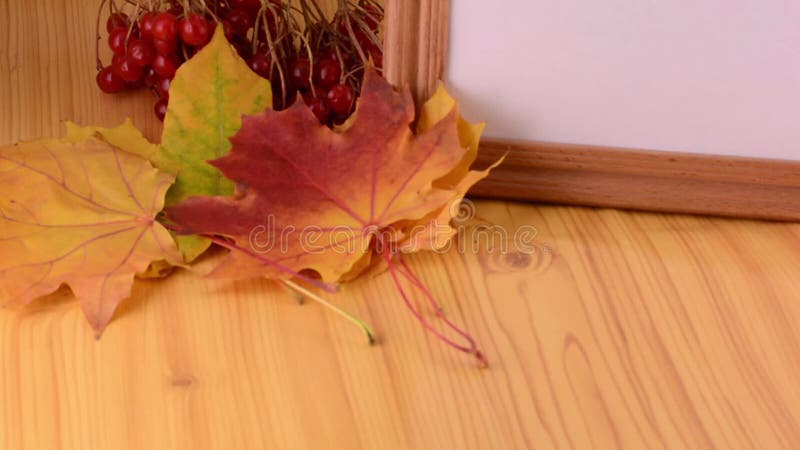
[(358, 322), (406, 270), (471, 347), (233, 247)]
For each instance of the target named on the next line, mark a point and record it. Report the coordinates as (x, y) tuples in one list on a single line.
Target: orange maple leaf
[(312, 198), (335, 202)]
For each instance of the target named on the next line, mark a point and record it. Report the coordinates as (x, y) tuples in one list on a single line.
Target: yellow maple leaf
[(125, 137), (81, 214), (434, 231), (129, 138)]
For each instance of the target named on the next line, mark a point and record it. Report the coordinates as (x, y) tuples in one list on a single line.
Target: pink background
[(706, 76)]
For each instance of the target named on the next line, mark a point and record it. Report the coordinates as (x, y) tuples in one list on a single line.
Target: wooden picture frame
[(415, 55)]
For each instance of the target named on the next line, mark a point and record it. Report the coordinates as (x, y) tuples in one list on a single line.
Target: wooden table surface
[(622, 330)]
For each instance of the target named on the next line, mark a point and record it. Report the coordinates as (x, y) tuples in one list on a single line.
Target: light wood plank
[(416, 44), (621, 330)]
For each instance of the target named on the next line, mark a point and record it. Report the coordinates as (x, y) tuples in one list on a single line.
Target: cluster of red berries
[(326, 68), (295, 47)]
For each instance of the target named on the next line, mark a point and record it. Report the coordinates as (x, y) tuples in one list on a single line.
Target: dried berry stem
[(97, 36)]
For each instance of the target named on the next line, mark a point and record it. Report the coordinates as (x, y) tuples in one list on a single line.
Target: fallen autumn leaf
[(81, 214)]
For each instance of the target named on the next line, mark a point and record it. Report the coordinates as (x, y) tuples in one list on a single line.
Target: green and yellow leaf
[(208, 97)]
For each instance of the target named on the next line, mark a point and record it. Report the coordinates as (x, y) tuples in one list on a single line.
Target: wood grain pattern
[(642, 180), (617, 329), (415, 48), (623, 331)]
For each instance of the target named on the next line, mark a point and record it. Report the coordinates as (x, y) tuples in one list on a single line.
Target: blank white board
[(703, 76)]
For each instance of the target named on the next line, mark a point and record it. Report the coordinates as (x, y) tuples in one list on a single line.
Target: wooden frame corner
[(415, 55), (415, 48)]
